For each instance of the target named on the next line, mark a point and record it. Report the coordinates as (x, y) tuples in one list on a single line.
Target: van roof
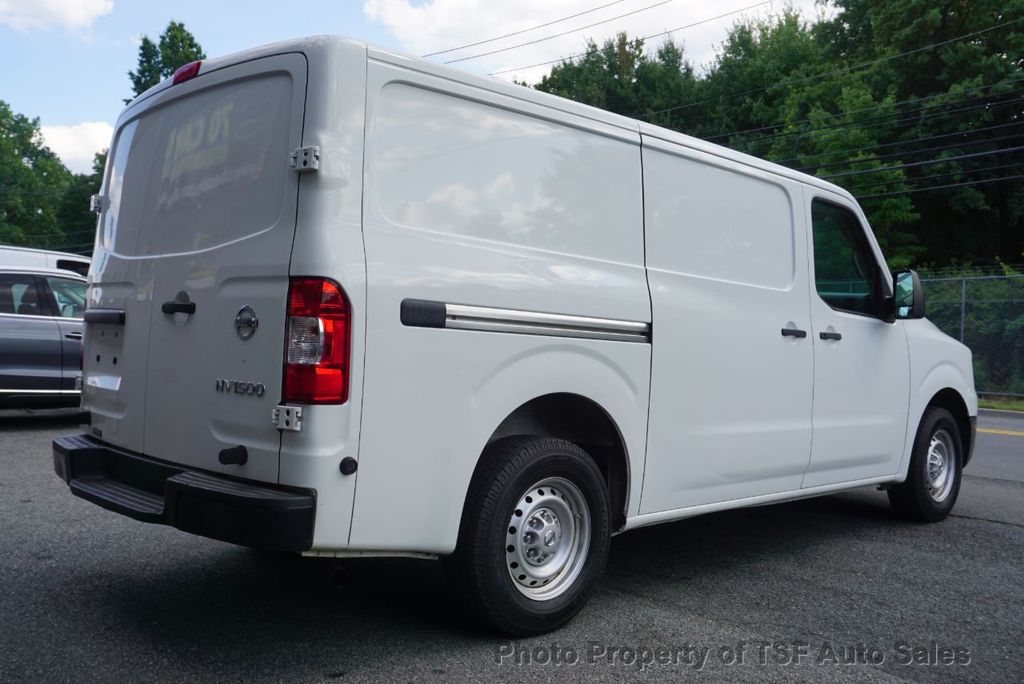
[(33, 270), (531, 95), (37, 250)]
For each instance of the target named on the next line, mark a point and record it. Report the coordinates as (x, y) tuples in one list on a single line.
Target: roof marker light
[(186, 71)]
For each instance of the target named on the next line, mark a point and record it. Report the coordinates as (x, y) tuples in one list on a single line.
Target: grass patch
[(1001, 403)]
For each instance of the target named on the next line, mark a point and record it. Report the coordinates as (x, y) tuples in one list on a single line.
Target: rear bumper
[(256, 515)]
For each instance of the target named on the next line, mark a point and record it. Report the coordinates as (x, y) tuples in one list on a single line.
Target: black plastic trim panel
[(104, 316), (245, 513)]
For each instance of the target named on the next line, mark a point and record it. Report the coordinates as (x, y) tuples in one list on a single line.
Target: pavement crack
[(990, 520), (1004, 480)]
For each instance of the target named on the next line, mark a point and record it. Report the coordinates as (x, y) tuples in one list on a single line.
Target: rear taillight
[(317, 341), (186, 71)]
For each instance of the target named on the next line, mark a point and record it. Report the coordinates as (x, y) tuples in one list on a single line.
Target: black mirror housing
[(906, 286)]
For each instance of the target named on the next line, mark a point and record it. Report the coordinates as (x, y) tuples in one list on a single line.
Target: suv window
[(19, 295), (846, 272), (70, 296)]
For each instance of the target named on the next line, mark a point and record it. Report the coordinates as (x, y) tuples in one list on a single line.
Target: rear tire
[(534, 536), (936, 466)]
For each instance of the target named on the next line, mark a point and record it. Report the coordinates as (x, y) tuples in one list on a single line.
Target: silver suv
[(40, 337)]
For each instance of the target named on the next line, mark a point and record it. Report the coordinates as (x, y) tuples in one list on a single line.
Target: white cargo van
[(12, 256), (347, 302)]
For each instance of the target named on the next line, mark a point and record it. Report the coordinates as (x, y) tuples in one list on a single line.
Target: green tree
[(886, 97), (157, 61), (77, 220), (32, 183)]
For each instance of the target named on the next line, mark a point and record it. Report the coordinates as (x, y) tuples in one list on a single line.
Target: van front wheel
[(535, 534), (933, 480)]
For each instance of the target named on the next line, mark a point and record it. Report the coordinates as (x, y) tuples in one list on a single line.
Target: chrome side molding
[(428, 314)]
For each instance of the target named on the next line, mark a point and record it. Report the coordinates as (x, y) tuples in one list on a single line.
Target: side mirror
[(909, 294)]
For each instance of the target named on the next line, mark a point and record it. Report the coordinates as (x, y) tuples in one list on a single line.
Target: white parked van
[(12, 256), (348, 302)]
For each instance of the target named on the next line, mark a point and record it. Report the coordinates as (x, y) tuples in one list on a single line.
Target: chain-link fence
[(987, 314)]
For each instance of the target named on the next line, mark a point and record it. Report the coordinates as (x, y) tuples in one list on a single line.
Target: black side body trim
[(971, 438), (420, 313), (244, 513), (104, 316)]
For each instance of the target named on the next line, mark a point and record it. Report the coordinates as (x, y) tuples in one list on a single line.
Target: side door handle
[(830, 336), (178, 307), (794, 332), (74, 336)]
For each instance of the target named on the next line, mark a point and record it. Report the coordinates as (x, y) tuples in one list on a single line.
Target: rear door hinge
[(305, 159), (287, 418)]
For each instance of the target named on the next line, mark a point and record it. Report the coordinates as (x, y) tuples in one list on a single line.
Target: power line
[(867, 109), (558, 35), (526, 30), (840, 70), (913, 119), (895, 155), (928, 162), (984, 101), (653, 35), (902, 142), (83, 231), (936, 176), (941, 187)]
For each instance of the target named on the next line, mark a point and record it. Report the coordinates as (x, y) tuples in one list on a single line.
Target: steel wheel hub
[(941, 465), (548, 538)]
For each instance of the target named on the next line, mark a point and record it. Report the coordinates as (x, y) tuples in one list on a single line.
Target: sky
[(66, 61)]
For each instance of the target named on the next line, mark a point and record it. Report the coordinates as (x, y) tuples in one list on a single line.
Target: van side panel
[(730, 393), (481, 199), (329, 243)]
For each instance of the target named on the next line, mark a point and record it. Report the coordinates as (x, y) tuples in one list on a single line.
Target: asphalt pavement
[(836, 588)]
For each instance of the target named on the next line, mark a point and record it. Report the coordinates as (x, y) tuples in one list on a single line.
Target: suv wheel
[(933, 480), (535, 534)]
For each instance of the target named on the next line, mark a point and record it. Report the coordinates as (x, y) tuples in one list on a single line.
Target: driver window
[(846, 273), (70, 296)]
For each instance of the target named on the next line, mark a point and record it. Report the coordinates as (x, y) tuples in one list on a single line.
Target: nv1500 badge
[(256, 389)]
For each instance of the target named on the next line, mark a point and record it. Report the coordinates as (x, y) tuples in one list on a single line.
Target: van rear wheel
[(933, 479), (535, 534)]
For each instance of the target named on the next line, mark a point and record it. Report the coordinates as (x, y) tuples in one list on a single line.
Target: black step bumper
[(256, 515)]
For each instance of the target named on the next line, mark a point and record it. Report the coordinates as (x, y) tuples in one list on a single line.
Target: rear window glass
[(79, 267), (202, 170)]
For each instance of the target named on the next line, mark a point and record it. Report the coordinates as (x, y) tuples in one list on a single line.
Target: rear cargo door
[(215, 216)]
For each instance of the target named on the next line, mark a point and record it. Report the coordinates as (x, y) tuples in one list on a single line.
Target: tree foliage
[(42, 204), (857, 98), (32, 183), (176, 46)]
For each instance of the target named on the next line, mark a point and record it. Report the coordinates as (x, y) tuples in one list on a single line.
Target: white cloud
[(439, 24), (73, 15), (76, 145)]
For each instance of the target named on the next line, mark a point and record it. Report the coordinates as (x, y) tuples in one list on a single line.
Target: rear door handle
[(794, 332), (178, 307), (830, 336), (74, 336)]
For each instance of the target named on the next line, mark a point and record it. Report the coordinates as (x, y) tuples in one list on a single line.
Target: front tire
[(534, 536), (936, 469)]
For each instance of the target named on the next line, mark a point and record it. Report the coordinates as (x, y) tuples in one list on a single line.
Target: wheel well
[(579, 420), (951, 400)]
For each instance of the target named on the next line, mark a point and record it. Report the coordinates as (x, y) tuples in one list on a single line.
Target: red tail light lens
[(317, 342), (185, 72)]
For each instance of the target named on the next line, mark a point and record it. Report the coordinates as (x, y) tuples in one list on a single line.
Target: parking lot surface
[(836, 588)]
